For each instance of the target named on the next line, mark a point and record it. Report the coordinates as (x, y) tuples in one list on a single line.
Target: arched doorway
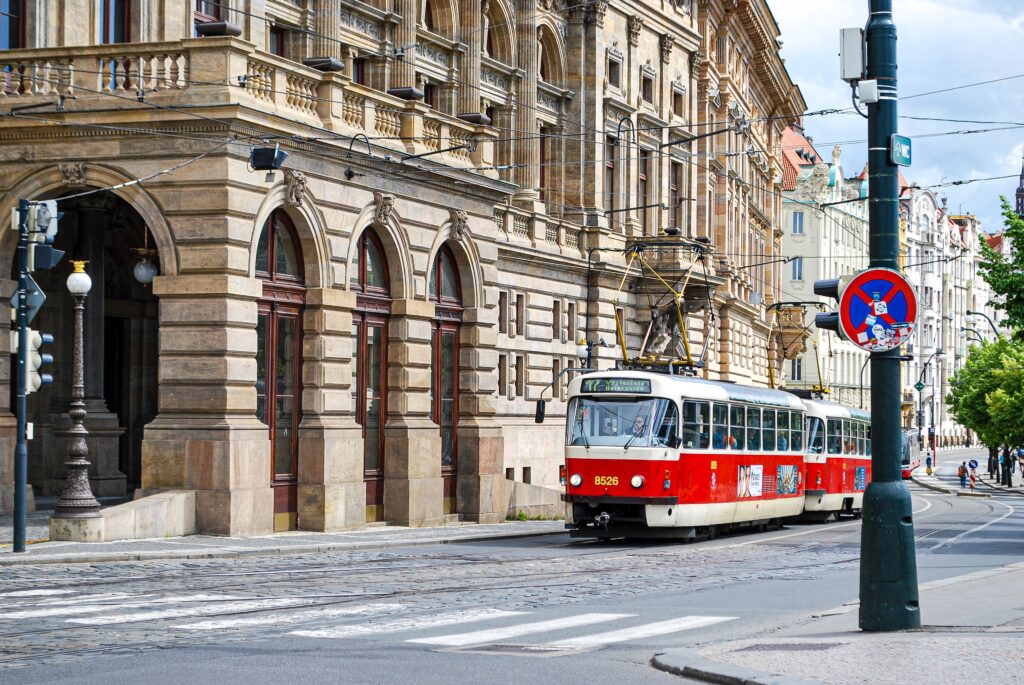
[(279, 358), (445, 291), (369, 280)]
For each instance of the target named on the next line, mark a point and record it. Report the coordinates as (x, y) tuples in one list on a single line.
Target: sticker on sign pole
[(878, 310)]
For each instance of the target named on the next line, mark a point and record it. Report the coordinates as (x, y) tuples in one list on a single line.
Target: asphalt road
[(540, 609)]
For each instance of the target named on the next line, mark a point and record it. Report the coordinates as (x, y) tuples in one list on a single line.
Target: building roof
[(904, 185), (995, 241), (797, 152)]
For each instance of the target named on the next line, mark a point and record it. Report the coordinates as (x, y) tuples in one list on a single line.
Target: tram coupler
[(603, 519)]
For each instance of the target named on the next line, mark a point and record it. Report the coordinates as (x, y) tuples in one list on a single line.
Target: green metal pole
[(888, 567)]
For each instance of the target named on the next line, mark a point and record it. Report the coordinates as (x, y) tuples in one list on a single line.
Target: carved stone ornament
[(460, 223), (73, 173), (385, 207), (636, 23), (667, 41), (697, 63), (295, 187)]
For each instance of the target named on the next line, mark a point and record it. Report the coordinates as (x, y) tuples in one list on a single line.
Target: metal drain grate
[(790, 647)]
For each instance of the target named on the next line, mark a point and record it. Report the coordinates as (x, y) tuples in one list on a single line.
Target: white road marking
[(497, 634), (277, 618), (408, 623), (976, 529), (211, 607), (85, 608), (36, 593), (675, 625)]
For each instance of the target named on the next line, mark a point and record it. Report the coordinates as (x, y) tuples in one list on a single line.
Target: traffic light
[(36, 359), (42, 226), (830, 287)]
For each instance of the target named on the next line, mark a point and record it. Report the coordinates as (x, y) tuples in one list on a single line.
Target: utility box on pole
[(888, 567)]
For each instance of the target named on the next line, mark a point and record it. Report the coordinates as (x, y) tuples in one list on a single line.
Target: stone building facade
[(360, 335)]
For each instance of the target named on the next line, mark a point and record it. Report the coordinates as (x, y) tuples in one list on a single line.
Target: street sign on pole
[(919, 386), (878, 310), (36, 298), (899, 150)]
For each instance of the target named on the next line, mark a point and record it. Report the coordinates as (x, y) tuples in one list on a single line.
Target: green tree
[(1006, 276), (988, 393)]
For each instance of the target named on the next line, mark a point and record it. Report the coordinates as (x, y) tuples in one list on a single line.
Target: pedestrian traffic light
[(828, 287), (43, 218), (36, 359)]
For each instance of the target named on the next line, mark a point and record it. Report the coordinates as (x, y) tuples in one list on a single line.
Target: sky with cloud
[(941, 44)]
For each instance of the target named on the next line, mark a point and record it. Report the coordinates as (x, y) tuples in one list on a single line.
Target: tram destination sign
[(639, 386), (878, 310)]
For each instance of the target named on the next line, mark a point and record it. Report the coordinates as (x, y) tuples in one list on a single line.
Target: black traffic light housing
[(828, 287)]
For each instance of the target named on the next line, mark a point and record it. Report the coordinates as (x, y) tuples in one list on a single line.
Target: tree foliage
[(988, 392), (1006, 276)]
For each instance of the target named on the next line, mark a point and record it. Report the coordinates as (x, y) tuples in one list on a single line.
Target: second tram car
[(911, 453), (658, 455), (838, 460)]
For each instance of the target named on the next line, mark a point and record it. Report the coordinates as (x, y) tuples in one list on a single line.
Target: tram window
[(768, 421), (867, 441), (835, 436), (849, 438), (783, 431), (753, 428), (628, 423), (720, 420), (860, 438), (815, 435), (666, 431), (796, 435), (737, 421), (696, 424)]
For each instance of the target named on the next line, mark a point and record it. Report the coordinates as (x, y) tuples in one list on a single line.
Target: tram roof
[(836, 410), (699, 388)]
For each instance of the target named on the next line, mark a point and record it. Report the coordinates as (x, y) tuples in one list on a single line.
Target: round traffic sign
[(973, 463), (878, 310)]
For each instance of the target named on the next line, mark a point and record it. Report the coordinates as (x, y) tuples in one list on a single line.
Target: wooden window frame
[(19, 18), (106, 7), (610, 173), (212, 13)]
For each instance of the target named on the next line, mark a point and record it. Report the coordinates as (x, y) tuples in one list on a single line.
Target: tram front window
[(815, 435), (618, 422)]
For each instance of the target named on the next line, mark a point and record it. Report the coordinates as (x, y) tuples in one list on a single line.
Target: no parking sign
[(878, 310)]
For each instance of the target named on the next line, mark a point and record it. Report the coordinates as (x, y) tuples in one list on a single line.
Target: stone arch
[(501, 32), (49, 182), (381, 216), (455, 232), (444, 17), (309, 225), (552, 56)]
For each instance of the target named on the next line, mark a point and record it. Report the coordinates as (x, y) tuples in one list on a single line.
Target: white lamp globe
[(145, 271), (79, 282)]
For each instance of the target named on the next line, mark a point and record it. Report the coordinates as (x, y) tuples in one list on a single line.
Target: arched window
[(279, 358), (446, 293), (369, 279)]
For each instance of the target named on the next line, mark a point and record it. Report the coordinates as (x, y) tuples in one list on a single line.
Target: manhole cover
[(790, 647)]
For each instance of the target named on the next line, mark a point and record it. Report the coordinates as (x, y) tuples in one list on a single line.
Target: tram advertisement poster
[(860, 476), (786, 479), (748, 480)]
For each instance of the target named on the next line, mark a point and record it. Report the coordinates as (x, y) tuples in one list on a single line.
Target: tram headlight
[(575, 480), (637, 481)]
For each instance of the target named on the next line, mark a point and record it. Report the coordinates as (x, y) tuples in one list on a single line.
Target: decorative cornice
[(636, 24), (667, 42)]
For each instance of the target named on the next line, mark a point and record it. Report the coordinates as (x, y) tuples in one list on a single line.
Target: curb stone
[(929, 486), (234, 553), (689, 664)]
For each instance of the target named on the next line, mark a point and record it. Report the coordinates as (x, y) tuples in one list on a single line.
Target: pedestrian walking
[(961, 472)]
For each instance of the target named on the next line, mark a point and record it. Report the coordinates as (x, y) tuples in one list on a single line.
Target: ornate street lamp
[(77, 501)]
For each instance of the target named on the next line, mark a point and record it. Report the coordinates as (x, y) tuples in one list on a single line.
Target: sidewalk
[(296, 542), (963, 618)]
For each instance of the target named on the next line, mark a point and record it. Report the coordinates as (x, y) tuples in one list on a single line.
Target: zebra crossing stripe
[(36, 593), (496, 634), (675, 625), (213, 607), (278, 618), (85, 608), (407, 623)]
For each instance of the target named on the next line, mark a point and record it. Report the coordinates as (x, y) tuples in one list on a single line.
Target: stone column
[(326, 44), (206, 436), (413, 488), (480, 488), (527, 150), (471, 21), (403, 71), (331, 491)]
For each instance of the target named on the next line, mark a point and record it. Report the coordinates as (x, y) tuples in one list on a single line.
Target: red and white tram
[(838, 461), (658, 455)]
